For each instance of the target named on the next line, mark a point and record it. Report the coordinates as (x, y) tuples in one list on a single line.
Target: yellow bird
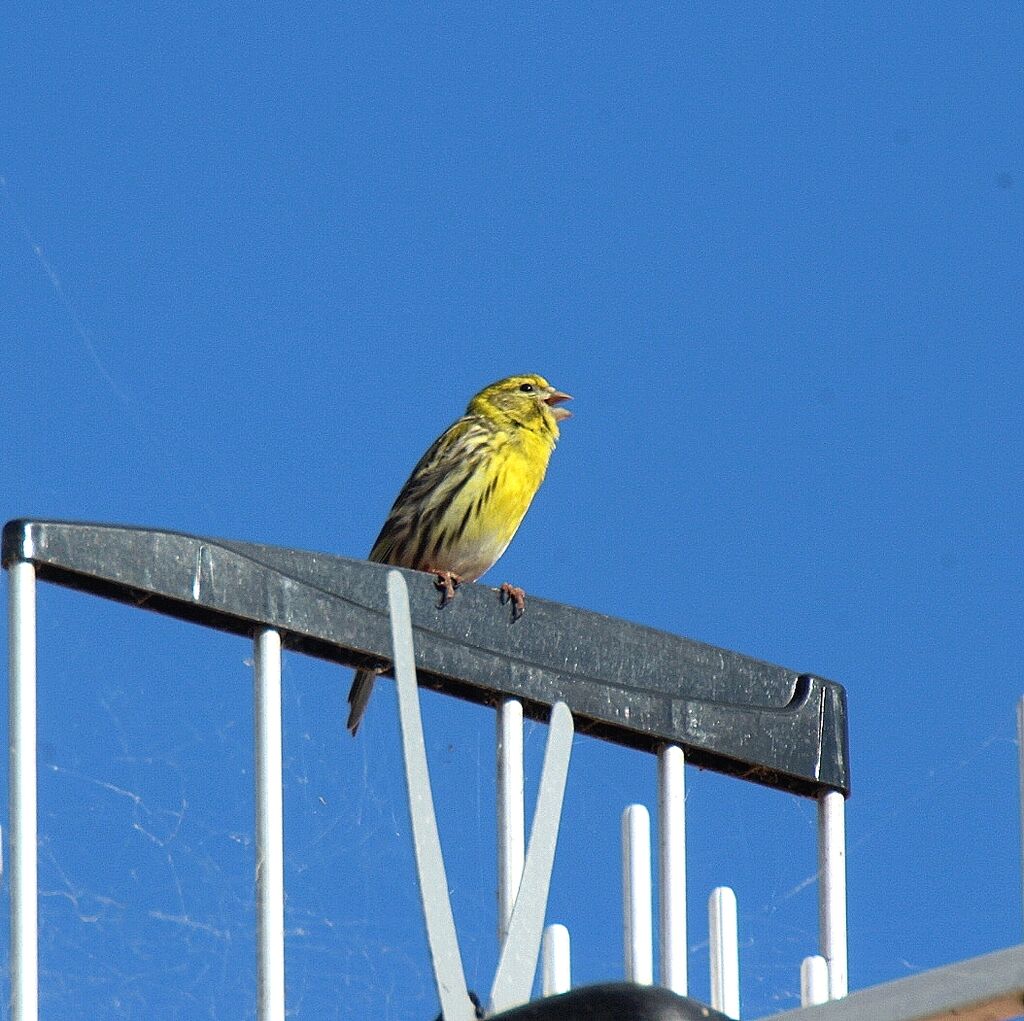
[(460, 507)]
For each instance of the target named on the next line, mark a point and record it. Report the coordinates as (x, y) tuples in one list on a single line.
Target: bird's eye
[(527, 388)]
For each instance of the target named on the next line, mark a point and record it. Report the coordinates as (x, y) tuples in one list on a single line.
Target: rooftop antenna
[(582, 672)]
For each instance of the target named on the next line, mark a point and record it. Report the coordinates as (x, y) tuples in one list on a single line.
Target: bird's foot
[(516, 596), (446, 582)]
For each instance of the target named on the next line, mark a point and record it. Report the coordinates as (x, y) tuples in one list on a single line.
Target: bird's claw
[(516, 596), (446, 582)]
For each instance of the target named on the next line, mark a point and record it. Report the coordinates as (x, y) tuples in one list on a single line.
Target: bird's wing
[(451, 464)]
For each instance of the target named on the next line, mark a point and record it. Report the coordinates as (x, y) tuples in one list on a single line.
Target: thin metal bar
[(437, 908), (510, 811), (672, 866), (813, 981), (636, 894), (22, 779), (557, 973), (1020, 781), (269, 826), (517, 964), (832, 889), (725, 958)]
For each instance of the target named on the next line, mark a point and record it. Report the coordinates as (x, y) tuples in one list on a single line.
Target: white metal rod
[(832, 889), (557, 970), (672, 866), (813, 981), (22, 794), (725, 960), (1020, 776), (517, 965), (269, 827), (510, 811), (636, 894)]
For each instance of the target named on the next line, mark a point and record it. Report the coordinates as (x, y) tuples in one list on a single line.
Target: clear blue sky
[(255, 259)]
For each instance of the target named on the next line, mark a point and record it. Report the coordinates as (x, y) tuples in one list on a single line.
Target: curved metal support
[(437, 908)]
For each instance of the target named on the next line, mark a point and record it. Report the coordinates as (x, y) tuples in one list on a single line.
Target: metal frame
[(761, 722)]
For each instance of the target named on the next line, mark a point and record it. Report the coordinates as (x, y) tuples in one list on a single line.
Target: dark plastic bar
[(623, 682)]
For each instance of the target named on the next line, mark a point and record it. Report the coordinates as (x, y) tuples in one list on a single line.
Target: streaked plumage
[(460, 507)]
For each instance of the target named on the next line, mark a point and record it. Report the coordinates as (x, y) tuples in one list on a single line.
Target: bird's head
[(530, 401)]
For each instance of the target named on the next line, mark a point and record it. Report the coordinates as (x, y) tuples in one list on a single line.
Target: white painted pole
[(636, 894), (813, 981), (22, 795), (832, 889), (1020, 775), (725, 958), (517, 965), (269, 827), (672, 866), (510, 811), (557, 971)]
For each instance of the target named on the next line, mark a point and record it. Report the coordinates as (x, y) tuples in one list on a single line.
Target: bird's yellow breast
[(497, 502)]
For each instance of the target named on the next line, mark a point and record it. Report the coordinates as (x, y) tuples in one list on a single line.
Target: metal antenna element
[(437, 907), (832, 889), (513, 980), (1020, 775), (511, 813), (637, 939), (22, 780), (270, 1002), (725, 959), (672, 867)]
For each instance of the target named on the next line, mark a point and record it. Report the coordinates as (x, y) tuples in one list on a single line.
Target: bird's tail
[(359, 697)]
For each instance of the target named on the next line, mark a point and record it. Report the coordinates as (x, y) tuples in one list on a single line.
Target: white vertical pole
[(1020, 775), (517, 965), (725, 961), (557, 970), (22, 780), (510, 813), (813, 981), (269, 827), (672, 866), (832, 889), (636, 894)]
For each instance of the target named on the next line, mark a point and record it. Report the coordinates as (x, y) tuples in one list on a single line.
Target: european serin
[(463, 502)]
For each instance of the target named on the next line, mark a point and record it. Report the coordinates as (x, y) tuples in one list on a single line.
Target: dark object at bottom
[(613, 1001)]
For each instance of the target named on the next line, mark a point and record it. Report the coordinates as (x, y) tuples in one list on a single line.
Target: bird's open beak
[(554, 398)]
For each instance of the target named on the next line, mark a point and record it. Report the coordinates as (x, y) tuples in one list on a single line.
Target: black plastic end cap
[(613, 1001)]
